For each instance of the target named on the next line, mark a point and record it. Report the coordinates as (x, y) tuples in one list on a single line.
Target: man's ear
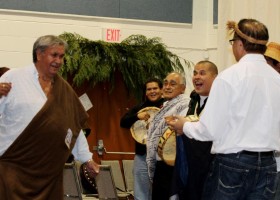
[(39, 54), (183, 89)]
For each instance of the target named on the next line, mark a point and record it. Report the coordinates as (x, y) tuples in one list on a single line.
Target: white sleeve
[(213, 121), (81, 149), (197, 131)]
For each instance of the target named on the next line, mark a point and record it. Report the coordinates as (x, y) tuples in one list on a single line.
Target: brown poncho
[(32, 167)]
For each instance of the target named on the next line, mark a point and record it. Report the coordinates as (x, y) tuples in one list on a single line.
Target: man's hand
[(143, 116), (92, 167), (5, 88), (176, 123)]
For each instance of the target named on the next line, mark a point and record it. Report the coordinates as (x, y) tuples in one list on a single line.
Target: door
[(104, 120)]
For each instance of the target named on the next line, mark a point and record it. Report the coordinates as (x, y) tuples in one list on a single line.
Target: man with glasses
[(196, 154), (242, 119), (176, 103)]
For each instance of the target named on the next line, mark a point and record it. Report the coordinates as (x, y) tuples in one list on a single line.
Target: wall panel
[(179, 11)]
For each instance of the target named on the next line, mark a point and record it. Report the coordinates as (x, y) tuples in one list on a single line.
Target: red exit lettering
[(113, 35)]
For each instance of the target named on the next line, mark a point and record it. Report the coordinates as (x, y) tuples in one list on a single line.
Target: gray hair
[(181, 75), (43, 42)]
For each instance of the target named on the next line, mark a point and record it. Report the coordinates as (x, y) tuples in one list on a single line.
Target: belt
[(277, 153), (261, 154)]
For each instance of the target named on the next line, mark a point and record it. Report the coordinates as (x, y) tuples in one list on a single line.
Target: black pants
[(199, 161), (162, 181)]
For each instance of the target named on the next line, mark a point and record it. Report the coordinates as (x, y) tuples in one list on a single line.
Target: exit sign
[(111, 35)]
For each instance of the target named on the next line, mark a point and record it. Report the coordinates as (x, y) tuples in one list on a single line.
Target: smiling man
[(196, 153), (41, 122), (176, 103), (153, 91), (204, 74)]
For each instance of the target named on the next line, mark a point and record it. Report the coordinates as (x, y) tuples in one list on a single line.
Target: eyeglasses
[(172, 84), (232, 40)]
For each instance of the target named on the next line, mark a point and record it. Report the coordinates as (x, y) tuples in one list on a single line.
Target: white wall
[(266, 12), (194, 42)]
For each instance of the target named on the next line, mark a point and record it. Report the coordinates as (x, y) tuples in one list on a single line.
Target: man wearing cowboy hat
[(272, 55)]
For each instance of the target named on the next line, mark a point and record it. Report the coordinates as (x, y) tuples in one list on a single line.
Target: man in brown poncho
[(41, 120)]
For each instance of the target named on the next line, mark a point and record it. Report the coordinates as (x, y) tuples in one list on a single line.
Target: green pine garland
[(136, 57)]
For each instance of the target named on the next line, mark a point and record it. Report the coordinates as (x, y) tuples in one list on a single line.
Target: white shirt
[(23, 102), (242, 110)]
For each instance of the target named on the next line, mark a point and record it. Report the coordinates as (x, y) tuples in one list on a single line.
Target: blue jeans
[(277, 195), (240, 176), (142, 185)]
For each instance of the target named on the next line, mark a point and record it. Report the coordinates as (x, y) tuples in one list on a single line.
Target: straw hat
[(273, 51)]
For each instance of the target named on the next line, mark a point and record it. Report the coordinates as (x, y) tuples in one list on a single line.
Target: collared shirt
[(23, 102), (242, 111)]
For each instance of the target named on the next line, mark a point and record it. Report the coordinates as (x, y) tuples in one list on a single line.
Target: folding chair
[(106, 184), (71, 182), (128, 175), (118, 177)]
